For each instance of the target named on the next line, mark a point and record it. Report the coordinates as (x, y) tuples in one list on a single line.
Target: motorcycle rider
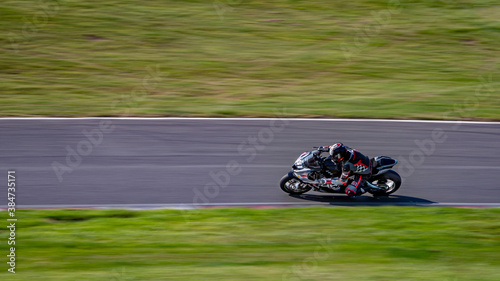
[(356, 168)]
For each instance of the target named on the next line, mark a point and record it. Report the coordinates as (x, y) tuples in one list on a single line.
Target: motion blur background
[(396, 59), (363, 58)]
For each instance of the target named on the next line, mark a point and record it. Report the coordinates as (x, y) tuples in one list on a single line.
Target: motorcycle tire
[(389, 176), (283, 185)]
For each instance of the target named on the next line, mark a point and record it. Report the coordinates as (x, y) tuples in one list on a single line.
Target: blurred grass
[(365, 243), (419, 59)]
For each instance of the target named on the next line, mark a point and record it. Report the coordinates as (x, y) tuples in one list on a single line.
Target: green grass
[(365, 243), (430, 59)]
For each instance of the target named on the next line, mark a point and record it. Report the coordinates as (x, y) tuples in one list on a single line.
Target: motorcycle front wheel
[(292, 185)]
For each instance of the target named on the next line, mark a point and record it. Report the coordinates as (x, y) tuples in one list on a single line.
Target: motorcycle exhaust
[(373, 187)]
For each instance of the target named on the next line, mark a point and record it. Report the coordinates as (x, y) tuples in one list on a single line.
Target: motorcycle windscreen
[(309, 161)]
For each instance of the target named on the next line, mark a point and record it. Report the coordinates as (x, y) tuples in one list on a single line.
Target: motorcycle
[(313, 171)]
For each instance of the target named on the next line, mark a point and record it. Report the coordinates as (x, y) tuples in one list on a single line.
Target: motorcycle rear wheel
[(292, 185), (389, 181)]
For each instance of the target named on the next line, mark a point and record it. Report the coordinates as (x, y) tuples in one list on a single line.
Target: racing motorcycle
[(314, 171)]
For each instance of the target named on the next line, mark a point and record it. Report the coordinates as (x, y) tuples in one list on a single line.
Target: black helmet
[(338, 151)]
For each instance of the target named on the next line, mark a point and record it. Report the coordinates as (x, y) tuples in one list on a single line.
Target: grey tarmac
[(185, 162)]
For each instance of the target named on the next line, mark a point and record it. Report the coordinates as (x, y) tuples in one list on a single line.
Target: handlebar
[(322, 148)]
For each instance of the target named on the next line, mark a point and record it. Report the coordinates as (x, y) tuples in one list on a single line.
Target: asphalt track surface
[(176, 162)]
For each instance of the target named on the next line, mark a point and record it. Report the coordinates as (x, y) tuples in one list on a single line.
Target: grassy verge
[(367, 58), (366, 243)]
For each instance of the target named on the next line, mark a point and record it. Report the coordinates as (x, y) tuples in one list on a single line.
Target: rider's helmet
[(338, 151)]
